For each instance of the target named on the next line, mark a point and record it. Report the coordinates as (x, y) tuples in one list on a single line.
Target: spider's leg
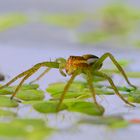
[(41, 75), (31, 72), (103, 57), (15, 78), (91, 87), (37, 66), (65, 90), (101, 74), (20, 84)]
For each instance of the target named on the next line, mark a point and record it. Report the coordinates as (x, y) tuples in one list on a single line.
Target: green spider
[(75, 65)]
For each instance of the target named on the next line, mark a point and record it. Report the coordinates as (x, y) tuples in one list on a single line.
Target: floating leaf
[(93, 37), (6, 90), (124, 89), (119, 18), (134, 96), (6, 113), (25, 128), (6, 102), (76, 90), (11, 89), (31, 94), (111, 121), (8, 21), (28, 86), (85, 107), (47, 107), (64, 20)]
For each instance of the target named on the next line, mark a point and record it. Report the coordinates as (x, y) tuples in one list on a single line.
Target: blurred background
[(41, 23)]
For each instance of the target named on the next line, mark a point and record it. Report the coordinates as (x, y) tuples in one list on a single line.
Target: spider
[(75, 65)]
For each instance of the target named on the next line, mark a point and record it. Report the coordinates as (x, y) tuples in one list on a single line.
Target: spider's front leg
[(26, 74), (101, 74), (66, 89), (61, 62), (103, 57)]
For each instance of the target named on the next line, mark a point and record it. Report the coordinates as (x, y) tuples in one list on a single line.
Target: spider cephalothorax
[(80, 63), (87, 64)]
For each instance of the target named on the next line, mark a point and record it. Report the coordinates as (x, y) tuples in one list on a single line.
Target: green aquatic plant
[(134, 96), (84, 107), (78, 89), (110, 121), (93, 37), (28, 95), (47, 106), (69, 105), (25, 129), (116, 21), (27, 92), (7, 113), (11, 20), (119, 18), (5, 102), (64, 20)]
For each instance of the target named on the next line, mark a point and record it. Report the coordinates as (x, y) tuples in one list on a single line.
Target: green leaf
[(77, 90), (11, 89), (56, 89), (6, 91), (6, 102), (119, 18), (134, 96), (64, 20), (31, 94), (7, 113), (93, 37), (8, 21), (110, 121), (25, 128), (28, 86), (47, 107), (85, 107)]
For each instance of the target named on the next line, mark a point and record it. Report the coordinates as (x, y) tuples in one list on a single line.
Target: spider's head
[(62, 64), (91, 59)]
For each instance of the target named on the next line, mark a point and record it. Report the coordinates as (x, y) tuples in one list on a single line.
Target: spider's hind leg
[(101, 74)]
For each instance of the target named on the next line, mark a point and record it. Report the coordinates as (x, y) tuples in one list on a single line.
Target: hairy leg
[(101, 74), (91, 87), (15, 78), (103, 57), (65, 90), (20, 84), (33, 69), (41, 75)]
